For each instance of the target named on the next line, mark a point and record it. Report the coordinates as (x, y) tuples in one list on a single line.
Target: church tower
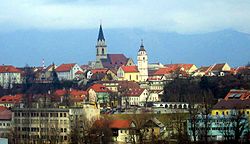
[(101, 47), (142, 62)]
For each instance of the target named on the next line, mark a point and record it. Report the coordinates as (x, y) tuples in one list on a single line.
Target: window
[(102, 50), (121, 131)]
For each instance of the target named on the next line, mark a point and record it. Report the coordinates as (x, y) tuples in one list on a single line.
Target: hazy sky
[(182, 16)]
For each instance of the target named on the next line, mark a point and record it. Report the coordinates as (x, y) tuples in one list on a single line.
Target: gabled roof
[(238, 94), (11, 99), (232, 104), (129, 69), (99, 88), (218, 67), (75, 95), (134, 92), (120, 124), (65, 67), (104, 70), (114, 61), (9, 69), (163, 71), (203, 69), (127, 85), (177, 66)]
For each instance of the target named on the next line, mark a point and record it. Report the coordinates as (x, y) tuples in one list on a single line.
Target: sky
[(182, 16)]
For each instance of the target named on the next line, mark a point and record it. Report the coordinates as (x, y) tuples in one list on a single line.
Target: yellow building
[(231, 106), (129, 73)]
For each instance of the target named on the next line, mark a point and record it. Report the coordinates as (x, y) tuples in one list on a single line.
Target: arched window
[(102, 50)]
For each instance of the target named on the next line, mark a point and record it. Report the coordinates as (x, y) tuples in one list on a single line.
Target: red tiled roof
[(129, 69), (176, 66), (113, 124), (79, 72), (65, 67), (76, 95), (9, 69), (134, 92), (120, 124), (238, 94), (99, 88), (11, 99), (163, 71), (99, 71), (2, 108), (74, 92)]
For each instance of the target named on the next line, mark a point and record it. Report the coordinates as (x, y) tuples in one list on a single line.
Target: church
[(115, 61)]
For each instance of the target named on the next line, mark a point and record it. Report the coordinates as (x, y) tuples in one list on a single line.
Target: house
[(134, 97), (77, 97), (155, 96), (243, 71), (202, 71), (230, 106), (99, 93), (188, 68), (220, 69), (10, 101), (129, 73), (238, 94), (68, 71), (44, 74), (153, 128), (9, 75), (122, 130), (5, 122)]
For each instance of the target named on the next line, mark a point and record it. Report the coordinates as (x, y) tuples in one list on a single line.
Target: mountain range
[(68, 46)]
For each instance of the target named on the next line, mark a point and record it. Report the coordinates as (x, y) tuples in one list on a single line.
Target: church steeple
[(142, 46), (101, 47), (100, 35)]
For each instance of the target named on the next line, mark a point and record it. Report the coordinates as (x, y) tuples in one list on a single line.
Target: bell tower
[(101, 47), (142, 62)]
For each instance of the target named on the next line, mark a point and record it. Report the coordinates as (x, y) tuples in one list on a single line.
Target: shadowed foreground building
[(49, 120)]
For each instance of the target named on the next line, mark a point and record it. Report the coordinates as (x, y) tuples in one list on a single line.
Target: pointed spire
[(142, 46), (100, 35)]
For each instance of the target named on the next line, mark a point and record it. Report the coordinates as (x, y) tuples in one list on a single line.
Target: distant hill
[(31, 46)]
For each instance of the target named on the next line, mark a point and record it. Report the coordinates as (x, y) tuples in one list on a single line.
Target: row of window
[(4, 124), (44, 137), (36, 129), (34, 114), (213, 128), (227, 113)]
